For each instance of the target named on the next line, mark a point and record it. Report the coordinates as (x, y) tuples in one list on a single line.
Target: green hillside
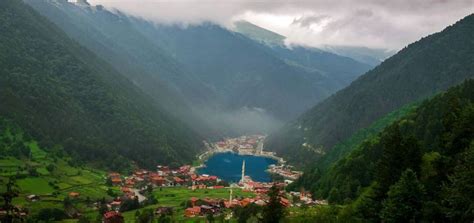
[(418, 71), (63, 95), (418, 168), (114, 39), (47, 173)]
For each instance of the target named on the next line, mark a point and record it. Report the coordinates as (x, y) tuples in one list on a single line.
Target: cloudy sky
[(388, 24)]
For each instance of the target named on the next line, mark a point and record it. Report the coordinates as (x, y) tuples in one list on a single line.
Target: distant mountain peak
[(258, 33), (81, 2)]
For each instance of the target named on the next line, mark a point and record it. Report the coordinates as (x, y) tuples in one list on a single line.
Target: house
[(164, 211), (206, 209), (184, 169), (246, 201), (114, 175), (130, 182), (113, 217), (285, 202), (231, 204), (178, 181), (193, 201), (157, 180), (116, 180), (32, 197), (74, 194), (192, 212), (115, 205), (126, 190)]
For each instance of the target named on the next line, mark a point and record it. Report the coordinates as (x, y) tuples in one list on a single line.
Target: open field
[(177, 196)]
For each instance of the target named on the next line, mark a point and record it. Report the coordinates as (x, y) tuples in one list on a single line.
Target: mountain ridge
[(414, 73)]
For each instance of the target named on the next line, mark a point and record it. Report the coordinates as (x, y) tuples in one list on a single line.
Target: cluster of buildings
[(164, 177), (245, 145), (203, 207), (286, 171), (133, 186)]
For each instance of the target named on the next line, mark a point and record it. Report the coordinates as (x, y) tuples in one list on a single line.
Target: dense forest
[(63, 95), (419, 168), (418, 71)]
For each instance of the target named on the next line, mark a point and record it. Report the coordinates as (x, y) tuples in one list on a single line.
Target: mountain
[(65, 96), (371, 56), (113, 38), (418, 71), (365, 55), (431, 148), (258, 33), (227, 83), (245, 72), (342, 70)]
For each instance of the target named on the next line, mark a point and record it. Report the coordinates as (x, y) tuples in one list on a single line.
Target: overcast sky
[(374, 23)]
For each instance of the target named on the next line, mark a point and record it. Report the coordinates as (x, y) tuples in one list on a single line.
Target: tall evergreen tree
[(399, 153), (404, 200), (274, 211), (459, 193)]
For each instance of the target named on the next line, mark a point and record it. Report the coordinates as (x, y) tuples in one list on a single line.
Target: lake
[(228, 166)]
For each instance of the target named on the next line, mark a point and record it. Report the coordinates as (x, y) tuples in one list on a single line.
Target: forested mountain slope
[(340, 69), (113, 38), (419, 168), (418, 71), (223, 78), (244, 72), (364, 55), (64, 95)]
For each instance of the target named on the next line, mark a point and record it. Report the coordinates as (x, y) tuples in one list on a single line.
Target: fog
[(242, 121), (371, 23)]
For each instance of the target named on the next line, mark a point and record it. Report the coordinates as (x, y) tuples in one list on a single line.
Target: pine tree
[(404, 201), (400, 152), (459, 193), (274, 211)]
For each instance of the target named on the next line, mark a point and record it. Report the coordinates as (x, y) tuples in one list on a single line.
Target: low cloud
[(373, 23)]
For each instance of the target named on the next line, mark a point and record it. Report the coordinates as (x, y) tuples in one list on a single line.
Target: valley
[(47, 183), (240, 111)]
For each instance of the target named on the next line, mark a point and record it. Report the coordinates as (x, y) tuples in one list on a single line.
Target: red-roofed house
[(192, 212), (126, 190), (157, 180), (285, 202), (193, 201), (178, 181), (113, 217)]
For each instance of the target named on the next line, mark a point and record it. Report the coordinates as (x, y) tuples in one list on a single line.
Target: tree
[(404, 201), (274, 211), (210, 217), (334, 196), (137, 214), (83, 219), (459, 193), (11, 192), (102, 207), (146, 216), (245, 213), (400, 152)]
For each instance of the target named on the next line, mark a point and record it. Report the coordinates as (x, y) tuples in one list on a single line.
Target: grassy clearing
[(35, 185)]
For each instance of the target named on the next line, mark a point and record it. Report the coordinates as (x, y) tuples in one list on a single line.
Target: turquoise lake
[(228, 166)]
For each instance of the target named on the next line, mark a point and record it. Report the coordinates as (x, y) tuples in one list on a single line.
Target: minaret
[(230, 196), (242, 179)]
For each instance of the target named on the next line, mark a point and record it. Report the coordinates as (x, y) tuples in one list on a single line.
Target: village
[(135, 186), (180, 191)]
